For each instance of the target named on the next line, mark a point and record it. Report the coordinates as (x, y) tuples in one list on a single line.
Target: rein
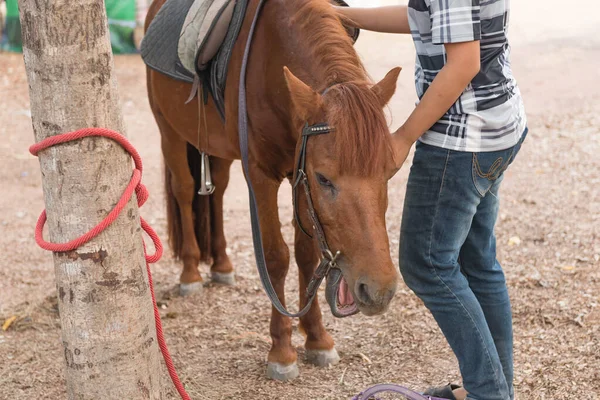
[(328, 260)]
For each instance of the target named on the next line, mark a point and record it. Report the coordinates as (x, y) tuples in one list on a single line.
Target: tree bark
[(106, 314)]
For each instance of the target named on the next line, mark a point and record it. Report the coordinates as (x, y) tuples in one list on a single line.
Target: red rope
[(141, 192)]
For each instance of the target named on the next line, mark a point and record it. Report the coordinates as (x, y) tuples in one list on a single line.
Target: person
[(469, 125)]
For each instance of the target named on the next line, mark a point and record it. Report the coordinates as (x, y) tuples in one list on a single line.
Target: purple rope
[(388, 387)]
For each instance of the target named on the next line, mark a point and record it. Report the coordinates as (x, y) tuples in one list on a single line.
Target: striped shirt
[(489, 115)]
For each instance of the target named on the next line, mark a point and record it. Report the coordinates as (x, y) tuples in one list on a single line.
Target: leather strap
[(256, 232), (328, 260), (300, 176)]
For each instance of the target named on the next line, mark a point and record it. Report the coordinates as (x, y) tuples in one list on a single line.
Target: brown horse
[(302, 69)]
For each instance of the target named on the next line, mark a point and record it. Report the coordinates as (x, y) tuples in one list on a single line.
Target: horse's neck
[(320, 45), (293, 45)]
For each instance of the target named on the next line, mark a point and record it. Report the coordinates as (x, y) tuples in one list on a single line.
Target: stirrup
[(206, 186)]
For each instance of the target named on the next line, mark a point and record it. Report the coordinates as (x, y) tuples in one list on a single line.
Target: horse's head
[(348, 171)]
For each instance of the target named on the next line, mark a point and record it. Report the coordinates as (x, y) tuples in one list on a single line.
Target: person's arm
[(390, 19), (457, 26), (463, 63)]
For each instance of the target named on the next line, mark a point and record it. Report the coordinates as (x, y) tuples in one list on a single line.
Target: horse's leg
[(221, 269), (282, 356), (174, 150), (319, 345)]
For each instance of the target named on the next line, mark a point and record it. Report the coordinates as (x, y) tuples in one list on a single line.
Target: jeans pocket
[(487, 167)]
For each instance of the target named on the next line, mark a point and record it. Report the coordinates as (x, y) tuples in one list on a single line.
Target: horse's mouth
[(339, 296)]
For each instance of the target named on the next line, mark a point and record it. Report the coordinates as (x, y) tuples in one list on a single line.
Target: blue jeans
[(448, 258)]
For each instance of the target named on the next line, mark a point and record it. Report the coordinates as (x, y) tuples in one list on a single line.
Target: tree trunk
[(106, 314)]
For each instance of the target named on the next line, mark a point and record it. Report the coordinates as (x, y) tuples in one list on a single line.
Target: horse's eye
[(324, 181)]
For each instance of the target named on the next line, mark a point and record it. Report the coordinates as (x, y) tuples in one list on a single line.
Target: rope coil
[(134, 186)]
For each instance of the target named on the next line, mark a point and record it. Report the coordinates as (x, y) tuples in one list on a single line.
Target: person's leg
[(478, 255), (441, 202), (486, 279)]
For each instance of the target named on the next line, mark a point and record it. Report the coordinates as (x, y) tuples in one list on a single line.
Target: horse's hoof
[(322, 358), (280, 372), (188, 289), (224, 278)]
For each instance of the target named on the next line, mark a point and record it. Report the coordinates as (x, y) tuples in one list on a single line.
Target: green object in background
[(12, 40), (121, 23)]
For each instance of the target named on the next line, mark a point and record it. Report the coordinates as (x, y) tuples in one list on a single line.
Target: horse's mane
[(326, 41), (361, 137)]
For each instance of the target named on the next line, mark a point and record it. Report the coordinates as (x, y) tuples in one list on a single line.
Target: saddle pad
[(160, 43)]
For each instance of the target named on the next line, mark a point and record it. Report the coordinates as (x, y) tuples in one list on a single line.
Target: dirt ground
[(548, 235)]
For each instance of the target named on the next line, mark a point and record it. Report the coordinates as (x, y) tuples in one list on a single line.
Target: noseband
[(329, 258)]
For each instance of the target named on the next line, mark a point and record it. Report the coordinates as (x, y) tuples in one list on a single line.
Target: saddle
[(192, 41)]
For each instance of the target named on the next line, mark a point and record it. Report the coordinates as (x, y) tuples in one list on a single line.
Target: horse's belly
[(200, 126)]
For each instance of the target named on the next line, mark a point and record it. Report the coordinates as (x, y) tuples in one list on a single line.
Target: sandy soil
[(549, 244)]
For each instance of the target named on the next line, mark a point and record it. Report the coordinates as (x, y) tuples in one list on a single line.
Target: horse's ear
[(305, 100), (384, 90)]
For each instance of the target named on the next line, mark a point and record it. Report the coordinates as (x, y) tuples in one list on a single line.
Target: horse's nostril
[(373, 295), (362, 292)]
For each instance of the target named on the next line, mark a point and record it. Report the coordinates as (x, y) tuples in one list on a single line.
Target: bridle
[(329, 258)]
